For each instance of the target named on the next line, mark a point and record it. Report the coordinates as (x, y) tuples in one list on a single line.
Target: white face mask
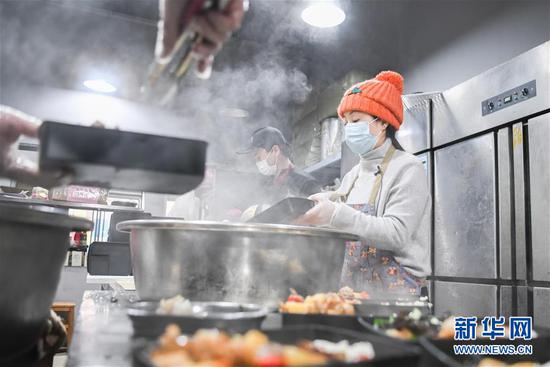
[(265, 168), (358, 137)]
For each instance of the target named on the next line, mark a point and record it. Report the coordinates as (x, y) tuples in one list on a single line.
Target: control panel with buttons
[(509, 98)]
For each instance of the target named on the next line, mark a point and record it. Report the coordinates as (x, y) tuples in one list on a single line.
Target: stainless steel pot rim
[(245, 228), (148, 309)]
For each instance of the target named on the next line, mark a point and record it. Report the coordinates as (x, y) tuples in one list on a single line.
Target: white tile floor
[(60, 360)]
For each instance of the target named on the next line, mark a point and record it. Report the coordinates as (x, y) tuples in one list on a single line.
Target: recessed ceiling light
[(99, 85), (323, 15)]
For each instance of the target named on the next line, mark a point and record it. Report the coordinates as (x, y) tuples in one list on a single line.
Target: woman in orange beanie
[(384, 199)]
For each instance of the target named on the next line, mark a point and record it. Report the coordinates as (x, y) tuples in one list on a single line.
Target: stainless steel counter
[(103, 332)]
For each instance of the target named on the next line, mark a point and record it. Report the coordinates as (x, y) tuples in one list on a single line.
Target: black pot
[(33, 247)]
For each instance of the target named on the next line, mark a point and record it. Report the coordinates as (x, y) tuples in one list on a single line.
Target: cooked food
[(340, 303), (411, 325), (177, 306), (350, 353), (212, 348)]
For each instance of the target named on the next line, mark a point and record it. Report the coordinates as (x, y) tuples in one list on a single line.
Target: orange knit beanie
[(380, 97)]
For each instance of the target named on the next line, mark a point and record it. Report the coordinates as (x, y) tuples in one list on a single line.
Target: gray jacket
[(403, 208)]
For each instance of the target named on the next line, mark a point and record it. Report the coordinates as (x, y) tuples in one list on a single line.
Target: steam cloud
[(262, 75)]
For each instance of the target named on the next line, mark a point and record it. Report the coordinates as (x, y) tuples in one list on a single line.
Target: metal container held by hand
[(33, 247), (248, 263)]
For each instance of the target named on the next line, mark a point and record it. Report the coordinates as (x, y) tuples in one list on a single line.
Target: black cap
[(266, 138)]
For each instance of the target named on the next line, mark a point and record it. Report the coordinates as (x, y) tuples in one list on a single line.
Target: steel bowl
[(33, 247), (245, 263), (228, 316)]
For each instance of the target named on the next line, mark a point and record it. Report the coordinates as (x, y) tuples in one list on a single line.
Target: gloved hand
[(321, 213), (326, 195)]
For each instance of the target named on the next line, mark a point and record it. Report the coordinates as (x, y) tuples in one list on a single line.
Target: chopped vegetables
[(413, 324), (410, 326)]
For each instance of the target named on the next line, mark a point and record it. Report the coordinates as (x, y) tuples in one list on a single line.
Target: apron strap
[(378, 181)]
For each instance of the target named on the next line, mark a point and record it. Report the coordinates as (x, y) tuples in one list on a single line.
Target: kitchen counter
[(103, 331), (71, 205)]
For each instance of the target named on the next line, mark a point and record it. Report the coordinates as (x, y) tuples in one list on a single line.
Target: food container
[(284, 212), (378, 308), (246, 263), (387, 354), (228, 316), (367, 314), (33, 247), (349, 322), (377, 316), (112, 158)]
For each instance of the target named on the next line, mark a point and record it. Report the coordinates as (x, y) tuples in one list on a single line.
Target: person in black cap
[(272, 153)]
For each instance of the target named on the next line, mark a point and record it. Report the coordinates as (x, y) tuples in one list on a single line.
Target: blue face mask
[(359, 138)]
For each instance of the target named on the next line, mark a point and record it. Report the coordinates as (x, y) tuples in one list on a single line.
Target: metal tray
[(111, 158), (228, 316), (284, 212), (387, 353)]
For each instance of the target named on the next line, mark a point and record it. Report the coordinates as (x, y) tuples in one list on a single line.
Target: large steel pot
[(33, 247), (212, 261)]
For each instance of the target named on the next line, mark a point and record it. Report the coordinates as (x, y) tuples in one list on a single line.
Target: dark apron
[(367, 268)]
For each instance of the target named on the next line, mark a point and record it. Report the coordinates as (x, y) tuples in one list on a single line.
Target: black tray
[(338, 321), (368, 326), (369, 312), (228, 316), (120, 159), (437, 352), (284, 212), (366, 313), (387, 354)]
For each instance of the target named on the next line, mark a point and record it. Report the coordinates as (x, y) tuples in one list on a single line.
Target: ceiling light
[(99, 85), (323, 15), (234, 112)]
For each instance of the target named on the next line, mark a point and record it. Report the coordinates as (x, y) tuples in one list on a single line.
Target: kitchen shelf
[(71, 205), (326, 170)]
